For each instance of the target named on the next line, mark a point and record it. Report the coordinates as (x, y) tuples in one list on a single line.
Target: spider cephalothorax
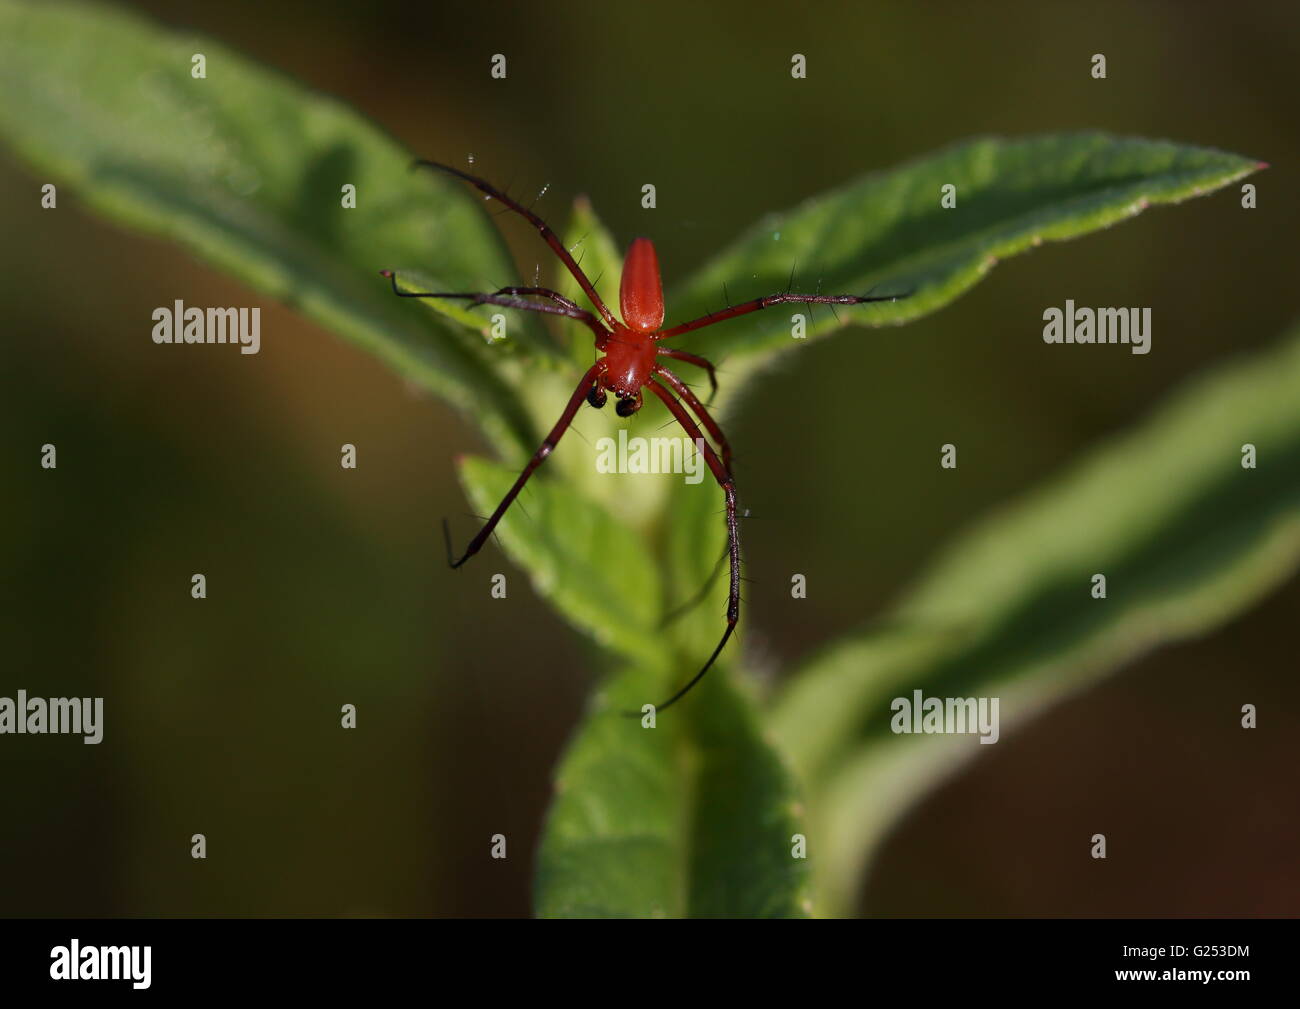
[(631, 363)]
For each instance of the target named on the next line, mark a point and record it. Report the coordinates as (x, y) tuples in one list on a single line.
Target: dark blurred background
[(327, 585)]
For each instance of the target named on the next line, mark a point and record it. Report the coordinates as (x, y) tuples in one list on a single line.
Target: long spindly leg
[(512, 297), (744, 308), (541, 292), (695, 359), (733, 530), (548, 235), (684, 391), (548, 445), (681, 609)]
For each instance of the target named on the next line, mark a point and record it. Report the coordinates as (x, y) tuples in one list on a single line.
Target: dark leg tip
[(446, 538)]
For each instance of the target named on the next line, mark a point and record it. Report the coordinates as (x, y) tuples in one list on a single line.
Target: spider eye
[(596, 397), (627, 407)]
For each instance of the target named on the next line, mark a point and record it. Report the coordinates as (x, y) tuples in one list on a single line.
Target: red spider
[(632, 349)]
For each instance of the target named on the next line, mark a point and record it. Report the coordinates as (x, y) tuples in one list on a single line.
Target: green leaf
[(596, 251), (693, 818), (697, 816), (592, 568), (246, 169), (1186, 537), (696, 567), (887, 233)]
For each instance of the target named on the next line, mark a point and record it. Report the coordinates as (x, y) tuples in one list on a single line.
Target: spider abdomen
[(641, 292)]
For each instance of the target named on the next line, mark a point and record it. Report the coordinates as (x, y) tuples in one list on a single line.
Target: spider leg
[(583, 316), (745, 307), (733, 532), (684, 391), (547, 234), (695, 359), (579, 396), (511, 297), (682, 609), (541, 292)]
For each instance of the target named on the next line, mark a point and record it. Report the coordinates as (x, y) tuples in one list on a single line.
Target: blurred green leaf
[(887, 233), (1186, 536), (246, 169)]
